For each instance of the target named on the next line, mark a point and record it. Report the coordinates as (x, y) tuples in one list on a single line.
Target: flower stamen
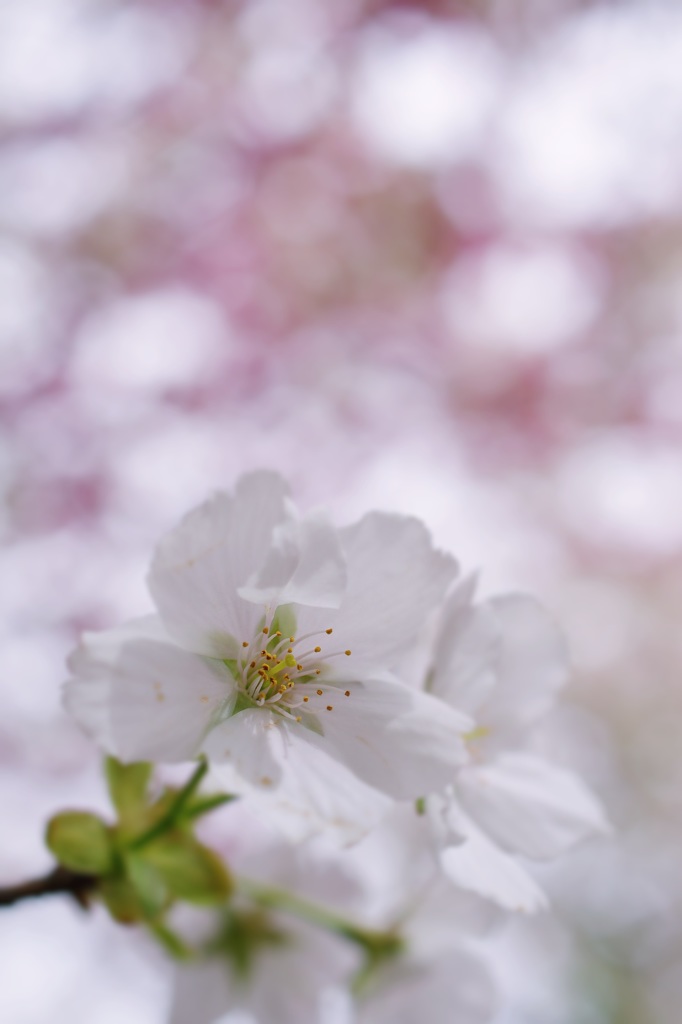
[(277, 673)]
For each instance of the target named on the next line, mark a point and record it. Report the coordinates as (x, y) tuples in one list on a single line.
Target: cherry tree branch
[(59, 880)]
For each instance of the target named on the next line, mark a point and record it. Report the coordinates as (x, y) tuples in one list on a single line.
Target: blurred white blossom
[(240, 662), (503, 661)]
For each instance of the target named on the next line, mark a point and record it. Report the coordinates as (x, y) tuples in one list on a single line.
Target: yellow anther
[(330, 707), (346, 693), (348, 653), (266, 630), (245, 643), (306, 699), (292, 639), (320, 692), (329, 631), (317, 650), (298, 718)]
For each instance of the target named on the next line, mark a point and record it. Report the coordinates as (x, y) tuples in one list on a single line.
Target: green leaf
[(128, 785), (190, 870), (81, 842)]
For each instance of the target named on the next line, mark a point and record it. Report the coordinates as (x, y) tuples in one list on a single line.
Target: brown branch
[(59, 880)]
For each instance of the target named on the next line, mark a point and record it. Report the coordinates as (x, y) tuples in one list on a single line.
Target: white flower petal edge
[(146, 699), (452, 988), (503, 661), (479, 866), (475, 863), (395, 579), (399, 740), (87, 695), (466, 651), (529, 806), (217, 548), (316, 794), (305, 565)]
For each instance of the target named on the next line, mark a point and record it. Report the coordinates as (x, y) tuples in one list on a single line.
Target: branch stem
[(59, 880), (372, 941)]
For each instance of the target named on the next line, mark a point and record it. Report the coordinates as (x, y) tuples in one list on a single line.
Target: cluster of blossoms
[(379, 722)]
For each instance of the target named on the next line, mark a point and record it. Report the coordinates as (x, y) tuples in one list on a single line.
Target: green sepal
[(128, 785), (244, 935), (190, 870), (121, 899), (171, 942), (81, 842), (200, 805), (151, 890)]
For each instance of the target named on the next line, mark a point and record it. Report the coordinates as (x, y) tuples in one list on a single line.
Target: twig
[(59, 880)]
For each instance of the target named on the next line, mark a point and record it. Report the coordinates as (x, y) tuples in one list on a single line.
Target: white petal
[(202, 993), (532, 665), (479, 866), (162, 700), (305, 565), (395, 579), (289, 980), (402, 741), (87, 695), (529, 806), (199, 566), (453, 988), (248, 749), (466, 652), (308, 791)]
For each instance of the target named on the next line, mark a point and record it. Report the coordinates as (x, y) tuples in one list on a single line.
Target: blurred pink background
[(418, 256)]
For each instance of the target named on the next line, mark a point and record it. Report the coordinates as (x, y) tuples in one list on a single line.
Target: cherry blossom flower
[(273, 968), (274, 653), (504, 661), (440, 972), (263, 961)]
